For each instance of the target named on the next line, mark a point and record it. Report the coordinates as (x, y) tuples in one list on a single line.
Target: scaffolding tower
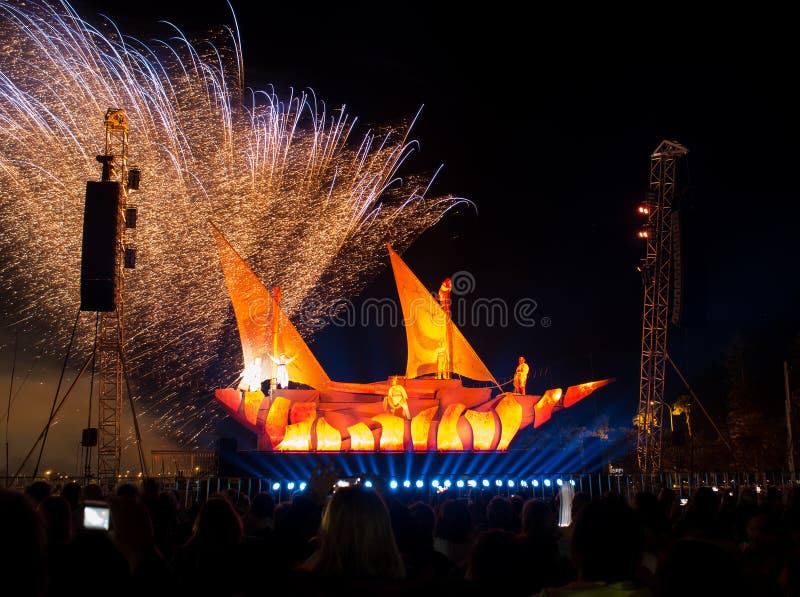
[(112, 329), (656, 269)]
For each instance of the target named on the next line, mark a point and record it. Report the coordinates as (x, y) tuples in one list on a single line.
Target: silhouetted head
[(356, 537)]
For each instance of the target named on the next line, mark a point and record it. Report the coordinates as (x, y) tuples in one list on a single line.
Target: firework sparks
[(308, 204)]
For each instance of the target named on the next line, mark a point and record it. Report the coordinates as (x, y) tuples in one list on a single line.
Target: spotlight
[(643, 210), (472, 483), (419, 483), (368, 484), (559, 482), (498, 482), (485, 482), (130, 257), (276, 486), (303, 486), (131, 214), (643, 234), (435, 483), (535, 483), (572, 482), (134, 176), (523, 483), (460, 483), (447, 483), (547, 482), (290, 485), (393, 484), (406, 483), (510, 483)]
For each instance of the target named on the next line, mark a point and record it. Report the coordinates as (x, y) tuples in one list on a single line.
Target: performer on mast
[(443, 353)]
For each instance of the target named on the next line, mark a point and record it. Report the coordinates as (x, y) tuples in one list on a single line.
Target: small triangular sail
[(254, 307), (425, 323)]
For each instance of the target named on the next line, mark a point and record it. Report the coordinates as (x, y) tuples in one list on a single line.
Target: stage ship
[(443, 415)]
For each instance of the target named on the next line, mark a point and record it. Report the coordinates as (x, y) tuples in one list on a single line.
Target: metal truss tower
[(656, 271), (111, 332)]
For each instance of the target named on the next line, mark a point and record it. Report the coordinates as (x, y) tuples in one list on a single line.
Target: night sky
[(546, 121)]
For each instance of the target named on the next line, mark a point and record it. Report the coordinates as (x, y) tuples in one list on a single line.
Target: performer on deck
[(283, 374), (520, 376), (441, 362), (251, 377), (396, 399)]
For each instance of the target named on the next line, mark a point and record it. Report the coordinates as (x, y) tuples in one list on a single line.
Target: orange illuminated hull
[(349, 417)]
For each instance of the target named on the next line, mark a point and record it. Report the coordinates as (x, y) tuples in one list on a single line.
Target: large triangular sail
[(426, 330), (255, 308)]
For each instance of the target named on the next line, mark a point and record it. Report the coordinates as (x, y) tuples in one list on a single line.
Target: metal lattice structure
[(656, 277), (111, 334)]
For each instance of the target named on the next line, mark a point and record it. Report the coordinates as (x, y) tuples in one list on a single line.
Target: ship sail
[(426, 330), (255, 307)]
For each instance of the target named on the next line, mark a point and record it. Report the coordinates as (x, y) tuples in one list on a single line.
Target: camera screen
[(96, 517)]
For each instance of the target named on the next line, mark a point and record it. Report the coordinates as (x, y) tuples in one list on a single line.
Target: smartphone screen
[(96, 516)]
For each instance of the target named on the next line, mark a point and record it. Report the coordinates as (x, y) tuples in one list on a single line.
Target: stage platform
[(408, 465)]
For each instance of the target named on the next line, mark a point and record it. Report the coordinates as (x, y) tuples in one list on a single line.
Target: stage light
[(435, 483), (130, 257), (485, 482), (420, 484), (276, 486), (472, 483), (510, 483), (547, 482), (460, 483), (368, 484), (643, 234), (559, 482), (130, 217), (715, 488), (290, 485), (392, 484), (406, 483), (643, 210), (498, 482), (572, 482), (134, 176), (535, 483), (523, 483), (303, 486), (447, 483)]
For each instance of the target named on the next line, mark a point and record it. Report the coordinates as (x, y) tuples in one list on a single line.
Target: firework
[(307, 200)]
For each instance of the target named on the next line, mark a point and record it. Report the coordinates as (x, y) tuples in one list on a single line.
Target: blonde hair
[(356, 538)]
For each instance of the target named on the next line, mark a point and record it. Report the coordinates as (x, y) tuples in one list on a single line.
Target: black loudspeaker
[(102, 227), (89, 437)]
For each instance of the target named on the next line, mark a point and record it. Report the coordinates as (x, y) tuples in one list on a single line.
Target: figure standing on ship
[(442, 370), (520, 376), (444, 295), (396, 400), (283, 374), (251, 377)]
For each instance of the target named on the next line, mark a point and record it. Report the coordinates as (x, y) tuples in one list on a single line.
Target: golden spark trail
[(308, 208)]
